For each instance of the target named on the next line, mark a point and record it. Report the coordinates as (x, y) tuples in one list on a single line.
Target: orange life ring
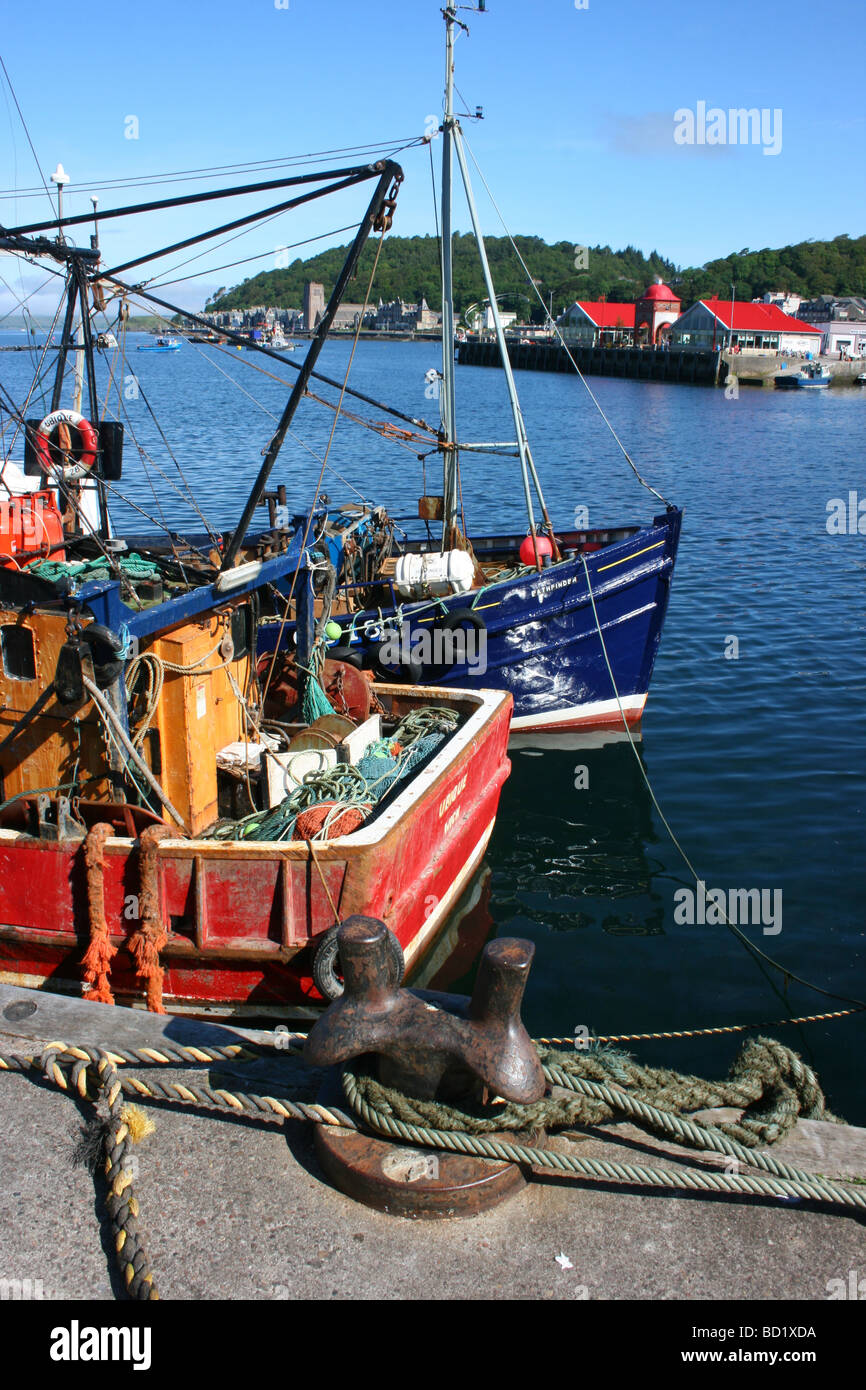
[(47, 447)]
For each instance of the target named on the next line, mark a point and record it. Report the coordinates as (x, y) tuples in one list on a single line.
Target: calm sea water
[(758, 760)]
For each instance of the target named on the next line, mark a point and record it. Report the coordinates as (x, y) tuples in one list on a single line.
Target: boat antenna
[(59, 178)]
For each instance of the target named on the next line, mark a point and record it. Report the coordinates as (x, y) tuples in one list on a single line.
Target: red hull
[(243, 917)]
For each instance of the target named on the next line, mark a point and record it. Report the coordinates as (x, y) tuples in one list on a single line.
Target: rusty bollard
[(431, 1046)]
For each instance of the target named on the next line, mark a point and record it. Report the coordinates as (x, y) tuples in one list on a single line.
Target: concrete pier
[(642, 364), (689, 366), (233, 1209)]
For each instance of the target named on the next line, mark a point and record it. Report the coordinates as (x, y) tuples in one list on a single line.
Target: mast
[(451, 462), (453, 144)]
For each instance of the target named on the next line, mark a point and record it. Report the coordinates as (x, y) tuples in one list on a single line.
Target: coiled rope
[(418, 735), (777, 1085)]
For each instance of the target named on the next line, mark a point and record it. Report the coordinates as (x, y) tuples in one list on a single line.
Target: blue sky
[(577, 141)]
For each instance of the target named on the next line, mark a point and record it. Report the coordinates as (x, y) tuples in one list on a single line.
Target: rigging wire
[(629, 460), (37, 380), (382, 429), (186, 494), (230, 265), (70, 499), (741, 936), (250, 167), (44, 188), (315, 500)]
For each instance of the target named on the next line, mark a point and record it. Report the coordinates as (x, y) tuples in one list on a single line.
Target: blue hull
[(540, 639)]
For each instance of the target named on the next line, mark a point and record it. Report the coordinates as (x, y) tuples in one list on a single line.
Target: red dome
[(660, 292)]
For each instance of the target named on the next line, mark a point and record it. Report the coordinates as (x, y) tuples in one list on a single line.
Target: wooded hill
[(409, 269)]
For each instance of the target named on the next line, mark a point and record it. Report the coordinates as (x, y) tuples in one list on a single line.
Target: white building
[(756, 327)]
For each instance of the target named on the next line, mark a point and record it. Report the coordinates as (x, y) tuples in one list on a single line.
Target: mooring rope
[(860, 1006), (770, 1076)]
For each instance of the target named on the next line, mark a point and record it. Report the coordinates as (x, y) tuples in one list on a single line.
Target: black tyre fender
[(458, 617), (326, 964), (351, 655), (410, 670)]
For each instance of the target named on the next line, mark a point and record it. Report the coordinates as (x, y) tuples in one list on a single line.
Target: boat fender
[(352, 656), (326, 964), (45, 445), (458, 617), (409, 671)]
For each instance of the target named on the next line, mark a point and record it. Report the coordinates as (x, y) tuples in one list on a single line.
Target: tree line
[(408, 269)]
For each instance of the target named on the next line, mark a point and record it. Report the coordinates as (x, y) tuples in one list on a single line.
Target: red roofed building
[(655, 312), (719, 323), (598, 323)]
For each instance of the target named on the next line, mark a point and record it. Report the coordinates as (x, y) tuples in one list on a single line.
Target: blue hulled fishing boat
[(568, 621)]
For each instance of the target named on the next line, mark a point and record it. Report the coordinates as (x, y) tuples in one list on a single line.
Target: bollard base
[(419, 1183)]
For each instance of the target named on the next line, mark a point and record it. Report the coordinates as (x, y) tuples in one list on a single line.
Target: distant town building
[(788, 303), (349, 316), (400, 317), (841, 322), (597, 323), (748, 326), (654, 313), (314, 305)]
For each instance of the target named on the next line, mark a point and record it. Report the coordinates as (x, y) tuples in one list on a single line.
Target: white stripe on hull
[(577, 716)]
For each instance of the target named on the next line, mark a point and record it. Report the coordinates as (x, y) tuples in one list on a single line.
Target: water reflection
[(572, 849)]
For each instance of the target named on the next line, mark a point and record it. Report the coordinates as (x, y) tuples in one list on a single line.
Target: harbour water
[(754, 739)]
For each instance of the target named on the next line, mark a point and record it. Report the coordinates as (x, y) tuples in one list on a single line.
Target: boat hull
[(243, 920), (541, 632)]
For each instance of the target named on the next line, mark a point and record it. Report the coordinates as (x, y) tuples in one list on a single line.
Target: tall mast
[(449, 421), (452, 143)]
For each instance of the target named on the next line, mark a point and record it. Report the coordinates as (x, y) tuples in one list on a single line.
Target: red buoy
[(527, 550)]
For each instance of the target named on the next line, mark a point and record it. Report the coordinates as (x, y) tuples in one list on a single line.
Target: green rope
[(315, 703), (799, 1185), (767, 1081), (427, 720), (134, 566), (419, 734)]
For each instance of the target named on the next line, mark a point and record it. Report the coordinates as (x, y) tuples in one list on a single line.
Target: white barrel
[(434, 576)]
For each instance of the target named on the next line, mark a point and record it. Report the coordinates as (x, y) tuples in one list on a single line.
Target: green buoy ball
[(333, 631)]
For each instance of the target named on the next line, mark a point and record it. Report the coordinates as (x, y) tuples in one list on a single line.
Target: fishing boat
[(813, 377), (183, 825), (567, 619), (161, 344)]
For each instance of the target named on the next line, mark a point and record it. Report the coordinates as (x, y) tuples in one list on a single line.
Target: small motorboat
[(161, 345), (814, 377)]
